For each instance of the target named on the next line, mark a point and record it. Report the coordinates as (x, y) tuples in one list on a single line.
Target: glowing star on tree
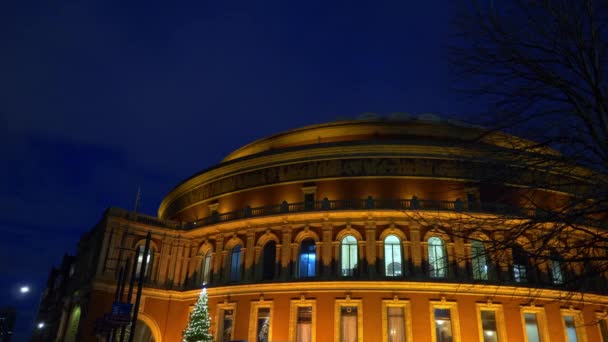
[(199, 322)]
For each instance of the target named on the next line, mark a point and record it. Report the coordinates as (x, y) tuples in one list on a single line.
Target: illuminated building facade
[(336, 232)]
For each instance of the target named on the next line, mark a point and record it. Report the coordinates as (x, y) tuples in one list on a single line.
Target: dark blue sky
[(97, 98)]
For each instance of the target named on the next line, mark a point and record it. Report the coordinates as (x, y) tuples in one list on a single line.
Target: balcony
[(369, 203)]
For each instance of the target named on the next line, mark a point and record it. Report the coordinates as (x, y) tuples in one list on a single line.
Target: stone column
[(218, 258), (370, 249), (249, 256), (416, 249), (286, 253), (326, 251)]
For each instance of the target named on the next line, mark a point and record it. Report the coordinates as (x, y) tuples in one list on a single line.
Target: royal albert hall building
[(336, 232)]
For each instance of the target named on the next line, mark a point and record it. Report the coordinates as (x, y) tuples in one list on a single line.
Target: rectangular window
[(443, 325), (491, 322), (396, 321), (519, 273), (260, 321), (302, 326), (570, 329), (574, 327), (488, 326), (263, 324), (532, 331), (226, 325), (395, 324), (348, 324), (444, 322)]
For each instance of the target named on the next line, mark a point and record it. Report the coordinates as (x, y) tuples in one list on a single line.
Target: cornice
[(393, 287)]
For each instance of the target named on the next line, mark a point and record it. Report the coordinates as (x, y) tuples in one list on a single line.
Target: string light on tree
[(199, 323)]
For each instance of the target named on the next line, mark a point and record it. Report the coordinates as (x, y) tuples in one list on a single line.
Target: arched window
[(235, 263), (520, 264), (557, 268), (479, 261), (308, 259), (348, 255), (206, 268), (269, 257), (438, 261), (392, 256), (140, 261)]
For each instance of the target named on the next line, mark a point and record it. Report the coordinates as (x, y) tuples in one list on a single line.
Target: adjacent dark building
[(8, 316)]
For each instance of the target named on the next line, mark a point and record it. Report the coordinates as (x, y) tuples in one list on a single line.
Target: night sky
[(97, 98)]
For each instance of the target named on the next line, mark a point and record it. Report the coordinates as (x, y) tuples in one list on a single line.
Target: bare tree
[(541, 66)]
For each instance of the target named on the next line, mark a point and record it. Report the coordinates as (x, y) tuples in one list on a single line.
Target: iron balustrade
[(360, 204)]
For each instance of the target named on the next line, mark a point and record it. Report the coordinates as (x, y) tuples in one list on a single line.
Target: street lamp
[(24, 289), (40, 325)]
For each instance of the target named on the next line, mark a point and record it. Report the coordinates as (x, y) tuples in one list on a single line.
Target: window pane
[(308, 256), (268, 260), (348, 255), (478, 261), (263, 324), (140, 260), (488, 325), (392, 256), (570, 329), (348, 324), (532, 327), (226, 330), (556, 272), (443, 325), (235, 264), (396, 325), (437, 258), (304, 324), (207, 268)]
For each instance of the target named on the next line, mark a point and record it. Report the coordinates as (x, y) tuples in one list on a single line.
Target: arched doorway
[(143, 333)]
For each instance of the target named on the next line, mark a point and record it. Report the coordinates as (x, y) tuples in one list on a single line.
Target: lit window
[(491, 322), (520, 261), (443, 325), (570, 329), (226, 313), (348, 320), (532, 329), (235, 263), (444, 322), (140, 260), (260, 325), (348, 324), (302, 320), (557, 271), (263, 325), (206, 265), (479, 261), (348, 255), (396, 321), (269, 257), (574, 325), (392, 256), (395, 324), (304, 324), (488, 326), (437, 258), (308, 257)]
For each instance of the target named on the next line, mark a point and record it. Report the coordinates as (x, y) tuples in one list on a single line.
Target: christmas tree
[(200, 322)]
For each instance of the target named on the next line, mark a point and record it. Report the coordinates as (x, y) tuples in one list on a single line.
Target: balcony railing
[(361, 204)]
